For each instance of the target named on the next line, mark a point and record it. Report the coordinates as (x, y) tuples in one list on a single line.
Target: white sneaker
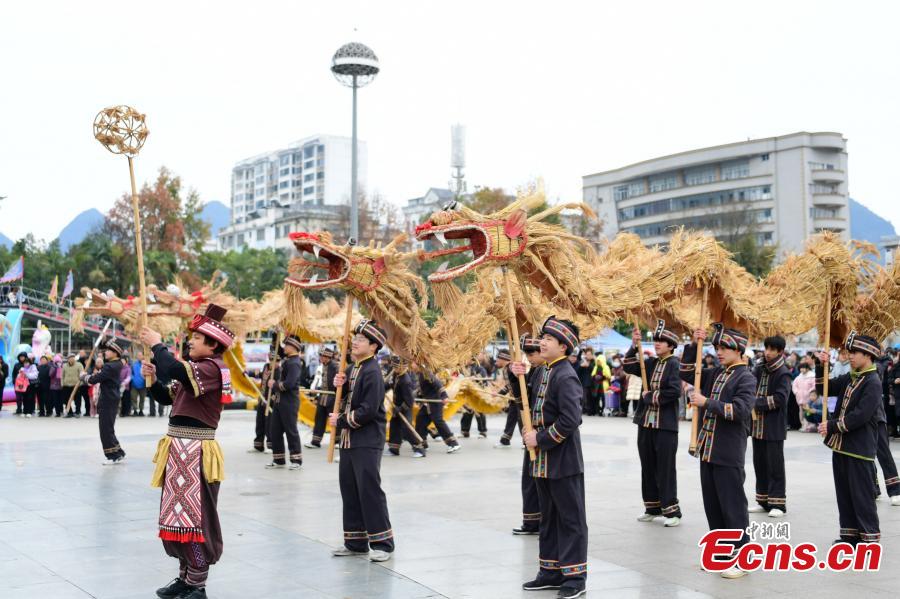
[(647, 517), (27, 415), (454, 448), (733, 572), (482, 435), (377, 555), (776, 513), (344, 552), (895, 500), (756, 509), (310, 445), (418, 454), (273, 465), (499, 445), (672, 522), (294, 466)]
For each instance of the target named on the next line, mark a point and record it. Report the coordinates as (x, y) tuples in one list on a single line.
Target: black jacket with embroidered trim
[(772, 407), (557, 419), (365, 420), (664, 397), (853, 427)]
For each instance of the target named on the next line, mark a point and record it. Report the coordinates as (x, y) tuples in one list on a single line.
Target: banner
[(69, 286), (15, 272), (54, 289)]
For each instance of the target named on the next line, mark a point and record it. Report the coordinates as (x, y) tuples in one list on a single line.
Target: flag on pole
[(54, 289), (69, 286), (15, 272)]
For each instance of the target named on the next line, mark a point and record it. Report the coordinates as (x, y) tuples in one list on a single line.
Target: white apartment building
[(305, 186), (782, 189)]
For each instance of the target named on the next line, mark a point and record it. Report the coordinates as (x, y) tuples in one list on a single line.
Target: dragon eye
[(451, 205)]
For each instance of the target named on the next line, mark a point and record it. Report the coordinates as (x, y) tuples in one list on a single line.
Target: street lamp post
[(354, 65)]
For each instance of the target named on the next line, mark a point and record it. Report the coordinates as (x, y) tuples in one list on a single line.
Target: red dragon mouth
[(474, 239), (320, 261)]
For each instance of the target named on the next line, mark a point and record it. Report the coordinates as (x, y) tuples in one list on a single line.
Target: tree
[(738, 233), (250, 272), (168, 224)]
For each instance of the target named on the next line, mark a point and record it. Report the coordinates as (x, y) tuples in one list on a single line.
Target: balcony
[(828, 175), (831, 224), (829, 199)]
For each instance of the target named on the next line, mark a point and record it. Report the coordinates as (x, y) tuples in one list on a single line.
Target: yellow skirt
[(213, 461)]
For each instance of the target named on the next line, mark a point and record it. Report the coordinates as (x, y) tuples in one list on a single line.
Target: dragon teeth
[(440, 237), (313, 279), (443, 266), (316, 251)]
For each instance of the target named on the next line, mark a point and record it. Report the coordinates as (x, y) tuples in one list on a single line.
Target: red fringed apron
[(180, 514)]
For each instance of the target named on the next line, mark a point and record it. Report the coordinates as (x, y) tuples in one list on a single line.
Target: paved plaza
[(71, 528)]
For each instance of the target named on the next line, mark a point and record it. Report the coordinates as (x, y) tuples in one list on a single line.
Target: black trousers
[(108, 410), (466, 421), (564, 534), (58, 402), (366, 520), (659, 482), (321, 422), (768, 464), (399, 431), (886, 461), (793, 412), (262, 428), (82, 394), (855, 498), (20, 399), (434, 412), (283, 423), (45, 400), (28, 399), (531, 505), (513, 417), (891, 414), (723, 498)]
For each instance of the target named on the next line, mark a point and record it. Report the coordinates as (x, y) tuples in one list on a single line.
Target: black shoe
[(525, 530), (173, 589), (193, 593), (570, 590), (70, 415), (465, 434), (543, 582)]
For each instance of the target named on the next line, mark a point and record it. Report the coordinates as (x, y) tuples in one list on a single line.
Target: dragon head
[(498, 238), (323, 264)]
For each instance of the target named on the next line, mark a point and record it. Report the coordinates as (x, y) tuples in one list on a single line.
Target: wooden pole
[(698, 375), (87, 363), (827, 365), (345, 342), (512, 333), (139, 249), (640, 352), (272, 359)]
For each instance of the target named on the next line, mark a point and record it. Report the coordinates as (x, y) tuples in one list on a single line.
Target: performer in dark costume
[(324, 401), (430, 387), (109, 378), (558, 467), (189, 462), (404, 395), (531, 508), (477, 371), (262, 439), (725, 399), (852, 433), (285, 395), (512, 409), (769, 418), (657, 420), (361, 425)]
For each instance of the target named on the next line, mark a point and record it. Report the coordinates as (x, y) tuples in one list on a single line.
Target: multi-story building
[(780, 189), (305, 186)]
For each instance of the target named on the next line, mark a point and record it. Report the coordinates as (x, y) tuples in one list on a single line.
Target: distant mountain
[(217, 214), (5, 241), (866, 225), (78, 229)]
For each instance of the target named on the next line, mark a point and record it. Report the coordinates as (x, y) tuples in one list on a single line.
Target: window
[(735, 170), (635, 189), (284, 172), (700, 175), (823, 188), (308, 190), (764, 157), (320, 162), (817, 212), (295, 183), (295, 170), (284, 184), (308, 177), (285, 160), (821, 166), (308, 164), (240, 239), (620, 193), (702, 200), (663, 182), (260, 235), (308, 151), (260, 179), (320, 175)]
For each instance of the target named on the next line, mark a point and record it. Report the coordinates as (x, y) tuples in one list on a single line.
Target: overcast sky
[(557, 90)]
